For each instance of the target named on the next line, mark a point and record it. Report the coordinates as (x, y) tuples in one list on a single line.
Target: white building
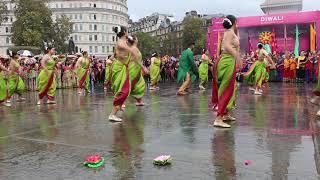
[(281, 6), (92, 23), (5, 28)]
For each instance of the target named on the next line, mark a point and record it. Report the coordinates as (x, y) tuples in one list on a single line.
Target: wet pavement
[(278, 132)]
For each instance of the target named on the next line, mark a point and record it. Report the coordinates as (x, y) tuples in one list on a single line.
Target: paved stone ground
[(278, 132)]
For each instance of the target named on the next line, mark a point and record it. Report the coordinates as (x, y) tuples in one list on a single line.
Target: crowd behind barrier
[(288, 68)]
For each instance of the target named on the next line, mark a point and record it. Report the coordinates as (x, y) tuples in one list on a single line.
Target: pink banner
[(290, 18), (253, 23)]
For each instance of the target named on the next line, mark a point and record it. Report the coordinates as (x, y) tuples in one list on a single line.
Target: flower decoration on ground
[(247, 162), (162, 160), (94, 161)]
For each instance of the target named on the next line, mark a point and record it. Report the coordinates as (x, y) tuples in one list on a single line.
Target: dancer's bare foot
[(229, 118), (21, 99), (318, 113), (257, 92), (51, 102), (220, 124), (39, 103), (140, 104), (202, 88), (182, 93), (7, 104), (114, 118)]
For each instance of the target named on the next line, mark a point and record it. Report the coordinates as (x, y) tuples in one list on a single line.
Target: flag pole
[(285, 38), (297, 44), (315, 36)]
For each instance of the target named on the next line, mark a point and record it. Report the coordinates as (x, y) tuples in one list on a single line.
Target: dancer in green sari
[(83, 73), (136, 70), (224, 83), (203, 69), (249, 76), (109, 62), (15, 82), (120, 76), (187, 70), (253, 76), (3, 85), (258, 70), (155, 71), (47, 84)]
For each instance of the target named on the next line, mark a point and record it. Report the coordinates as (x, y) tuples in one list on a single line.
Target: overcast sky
[(142, 8)]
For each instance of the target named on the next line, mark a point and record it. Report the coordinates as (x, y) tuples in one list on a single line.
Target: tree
[(147, 43), (3, 11), (170, 44), (193, 32), (34, 26), (62, 29)]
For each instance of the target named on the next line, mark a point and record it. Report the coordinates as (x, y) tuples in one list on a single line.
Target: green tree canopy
[(193, 31), (170, 44), (147, 43), (34, 26), (62, 29)]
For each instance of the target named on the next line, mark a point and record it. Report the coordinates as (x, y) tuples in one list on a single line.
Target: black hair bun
[(13, 54), (131, 40), (115, 29), (260, 45), (120, 31), (226, 25), (154, 54), (229, 21)]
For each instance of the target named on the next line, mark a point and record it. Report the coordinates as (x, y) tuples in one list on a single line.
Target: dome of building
[(281, 6)]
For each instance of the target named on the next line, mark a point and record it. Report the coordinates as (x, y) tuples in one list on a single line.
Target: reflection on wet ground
[(278, 132)]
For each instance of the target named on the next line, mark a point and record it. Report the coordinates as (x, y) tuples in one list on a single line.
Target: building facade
[(170, 38), (168, 31), (281, 6), (150, 24), (93, 22)]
